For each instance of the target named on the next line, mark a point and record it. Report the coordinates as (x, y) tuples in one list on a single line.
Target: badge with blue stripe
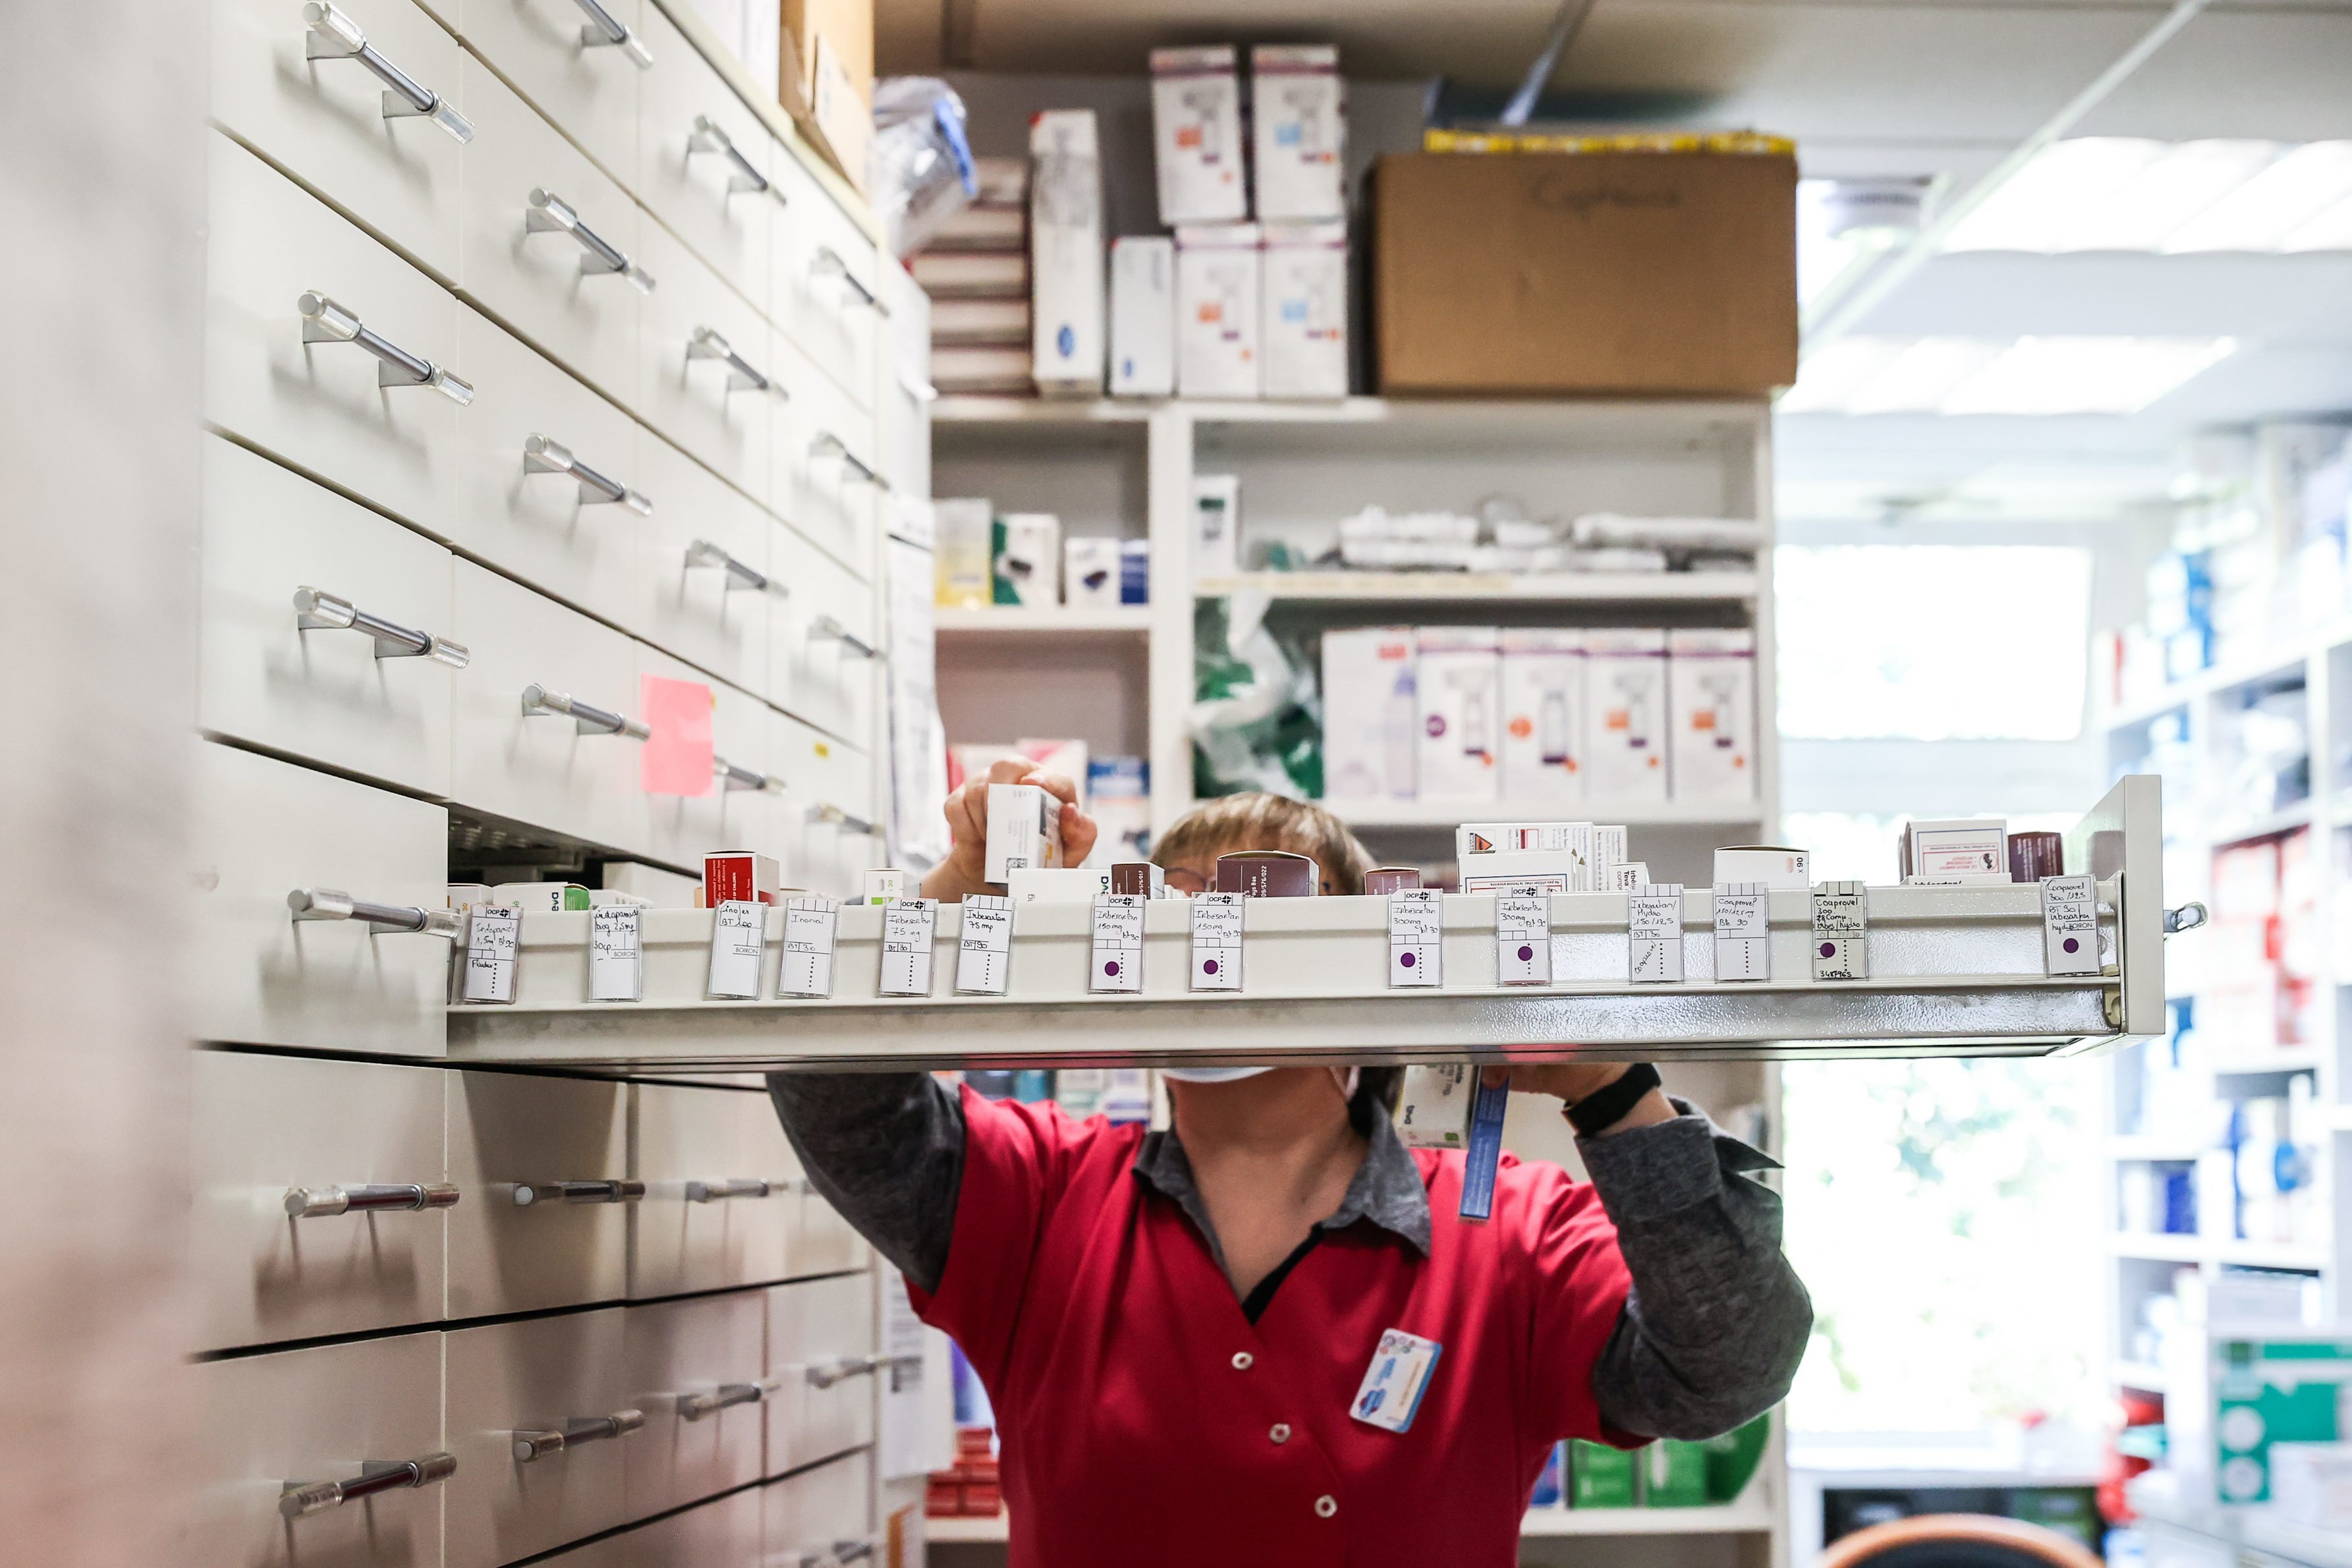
[(1391, 1393)]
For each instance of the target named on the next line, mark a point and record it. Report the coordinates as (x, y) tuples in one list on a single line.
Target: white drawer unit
[(705, 590), (327, 1456), (718, 1201), (549, 241), (825, 656), (823, 1515), (743, 809), (904, 412), (697, 1368), (544, 1431), (817, 1240), (547, 731), (549, 483), (705, 378), (324, 347), (828, 824), (357, 99), (821, 1355), (826, 288), (722, 1533), (823, 478), (703, 161), (579, 61), (321, 1197), (322, 625), (544, 1164), (321, 910)]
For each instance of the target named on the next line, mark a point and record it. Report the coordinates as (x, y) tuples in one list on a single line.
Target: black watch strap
[(1604, 1108)]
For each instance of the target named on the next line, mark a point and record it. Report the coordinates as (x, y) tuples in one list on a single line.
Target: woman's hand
[(960, 873), (1574, 1081)]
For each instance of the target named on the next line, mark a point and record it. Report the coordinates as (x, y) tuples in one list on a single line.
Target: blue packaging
[(1548, 1492), (1486, 1151), (1135, 572)]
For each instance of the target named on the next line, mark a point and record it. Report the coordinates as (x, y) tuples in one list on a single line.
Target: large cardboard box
[(1585, 272), (847, 28)]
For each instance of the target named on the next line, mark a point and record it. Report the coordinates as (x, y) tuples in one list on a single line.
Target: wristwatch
[(1604, 1108)]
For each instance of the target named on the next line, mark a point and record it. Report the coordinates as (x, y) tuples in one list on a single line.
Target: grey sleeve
[(887, 1149), (1718, 1319)]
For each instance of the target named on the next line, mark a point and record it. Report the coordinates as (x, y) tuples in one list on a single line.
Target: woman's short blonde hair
[(1237, 822)]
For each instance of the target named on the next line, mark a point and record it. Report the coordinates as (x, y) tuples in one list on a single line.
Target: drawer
[(588, 88), (545, 768), (696, 1369), (703, 161), (324, 120), (826, 285), (690, 601), (821, 1353), (268, 1128), (683, 828), (824, 664), (719, 1192), (538, 459), (333, 692), (548, 241), (722, 1533), (819, 1512), (543, 1163), (817, 1240), (705, 377), (822, 477), (265, 829), (553, 1388), (319, 405), (309, 1417), (829, 819)]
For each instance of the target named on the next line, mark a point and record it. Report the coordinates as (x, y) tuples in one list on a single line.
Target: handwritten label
[(984, 947), (2070, 926), (1841, 932), (493, 932), (1217, 941), (616, 963), (1743, 928), (737, 930), (812, 926), (1654, 934), (1117, 961), (1523, 936), (907, 925), (1417, 937)]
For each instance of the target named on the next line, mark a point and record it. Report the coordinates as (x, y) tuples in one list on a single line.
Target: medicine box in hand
[(1025, 829)]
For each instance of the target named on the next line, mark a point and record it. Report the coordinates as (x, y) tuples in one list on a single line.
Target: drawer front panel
[(722, 1533), (703, 1225), (826, 284), (821, 474), (328, 692), (588, 89), (820, 772), (554, 1387), (265, 828), (718, 409), (314, 1416), (821, 1347), (324, 118), (819, 1511), (319, 405), (686, 116), (688, 602), (824, 660), (817, 1240), (694, 1368), (683, 828), (519, 1243)]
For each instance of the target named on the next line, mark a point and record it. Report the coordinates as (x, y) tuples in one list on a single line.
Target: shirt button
[(1243, 1359), (1281, 1433), (1325, 1506)]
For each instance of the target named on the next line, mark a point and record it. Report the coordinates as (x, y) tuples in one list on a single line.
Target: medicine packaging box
[(1135, 572), (1543, 716), (1711, 704), (1196, 135), (1217, 290), (1774, 864), (1298, 133), (1625, 714), (1372, 714), (1216, 525), (963, 542), (740, 876), (1066, 244), (1460, 684), (1303, 328), (1025, 829), (1090, 572), (1029, 559), (1142, 316), (1057, 885), (1552, 870), (1118, 797)]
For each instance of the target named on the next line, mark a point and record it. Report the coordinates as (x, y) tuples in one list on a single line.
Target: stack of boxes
[(976, 271), (982, 557), (1669, 1473), (971, 1487)]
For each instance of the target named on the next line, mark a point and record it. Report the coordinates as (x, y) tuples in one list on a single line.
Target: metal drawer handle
[(695, 1406), (834, 816), (840, 1554), (324, 322), (825, 1374), (734, 1187), (828, 444), (708, 138), (740, 376), (550, 214), (318, 610), (826, 627), (588, 718), (735, 777), (304, 1498), (827, 263), (333, 904), (604, 30), (528, 1193), (324, 1202), (704, 553), (2188, 917), (541, 455), (535, 1445), (335, 36)]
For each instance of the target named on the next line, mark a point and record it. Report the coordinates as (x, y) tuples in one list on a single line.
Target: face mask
[(1212, 1075)]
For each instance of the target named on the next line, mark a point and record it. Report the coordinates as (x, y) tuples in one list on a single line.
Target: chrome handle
[(535, 1445), (827, 263), (335, 36), (588, 718), (848, 1551), (828, 444), (604, 30), (324, 1202), (324, 322), (708, 138), (740, 376), (702, 553), (735, 777), (826, 627), (695, 1406), (304, 1498), (317, 610), (332, 904), (921, 390), (541, 455), (834, 816), (550, 214), (2188, 917), (735, 1187), (825, 1374), (528, 1193)]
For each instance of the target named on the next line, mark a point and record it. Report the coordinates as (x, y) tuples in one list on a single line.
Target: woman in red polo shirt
[(1264, 1335)]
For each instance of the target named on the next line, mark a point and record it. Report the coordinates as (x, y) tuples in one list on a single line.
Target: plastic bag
[(1256, 720), (921, 159)]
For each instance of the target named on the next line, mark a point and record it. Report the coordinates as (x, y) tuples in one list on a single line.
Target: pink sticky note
[(677, 760)]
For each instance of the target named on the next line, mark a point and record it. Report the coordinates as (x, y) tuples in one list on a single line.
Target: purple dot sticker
[(1110, 966), (1406, 959), (1829, 950), (1208, 966), (1526, 952), (2071, 945)]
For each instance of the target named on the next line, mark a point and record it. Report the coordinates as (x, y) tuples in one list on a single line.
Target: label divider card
[(1743, 931), (812, 926), (493, 931), (1841, 932), (1217, 941), (2069, 925), (984, 950), (1523, 936), (908, 928), (1417, 937), (739, 928), (1654, 934), (616, 967), (1117, 959)]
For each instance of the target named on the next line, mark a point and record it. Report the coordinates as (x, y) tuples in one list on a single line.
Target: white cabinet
[(718, 1190), (705, 378), (705, 590), (541, 1425), (824, 659), (682, 829), (589, 89), (544, 1165), (821, 1355), (703, 162), (696, 1368)]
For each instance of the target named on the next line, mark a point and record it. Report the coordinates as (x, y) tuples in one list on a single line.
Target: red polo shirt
[(1144, 1420)]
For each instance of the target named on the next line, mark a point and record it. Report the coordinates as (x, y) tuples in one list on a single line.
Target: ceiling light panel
[(2020, 376), (2122, 194)]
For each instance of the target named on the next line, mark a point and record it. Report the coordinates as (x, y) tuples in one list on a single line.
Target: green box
[(1599, 1476), (1732, 1458), (1673, 1474)]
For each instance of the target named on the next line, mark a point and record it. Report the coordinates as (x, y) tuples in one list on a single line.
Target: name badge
[(1391, 1393)]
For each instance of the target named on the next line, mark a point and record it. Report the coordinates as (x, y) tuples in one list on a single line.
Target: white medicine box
[(1024, 831), (1372, 714), (1711, 703), (1196, 135), (1216, 525), (1030, 562), (1217, 290), (1625, 714), (1460, 684), (1066, 253), (1304, 324), (1543, 716), (1090, 572), (1298, 124), (1142, 316)]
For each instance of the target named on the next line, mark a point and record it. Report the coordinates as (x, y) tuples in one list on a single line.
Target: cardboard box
[(1472, 839), (1090, 572), (1142, 316), (1135, 571), (1196, 135), (1543, 716), (1298, 133), (1302, 324), (963, 569), (1029, 560), (1216, 525), (1217, 290), (887, 885), (1711, 704), (1625, 714), (843, 107), (662, 889), (1637, 273), (1372, 714), (1552, 870), (1382, 880), (980, 323), (1945, 853), (1774, 864), (1434, 1108), (1599, 1476), (1674, 1474), (1459, 685), (1066, 253), (541, 898), (1057, 885), (1138, 878), (1025, 829), (740, 876), (845, 28), (1268, 874)]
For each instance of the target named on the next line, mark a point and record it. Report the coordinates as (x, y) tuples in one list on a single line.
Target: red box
[(740, 876)]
